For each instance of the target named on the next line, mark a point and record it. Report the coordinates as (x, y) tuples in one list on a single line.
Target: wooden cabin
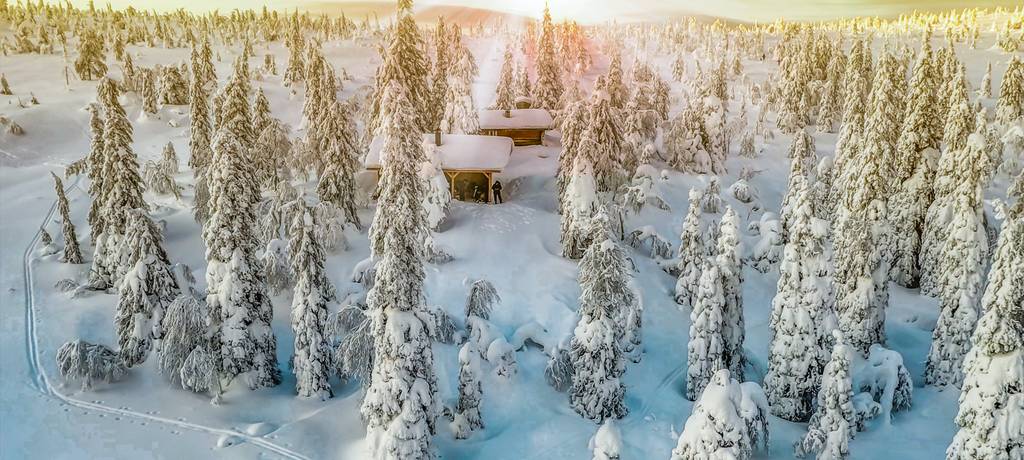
[(469, 161), (524, 126)]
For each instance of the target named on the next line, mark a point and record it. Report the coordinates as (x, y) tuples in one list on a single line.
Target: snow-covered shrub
[(276, 266), (729, 421), (184, 329), (481, 300), (436, 253), (199, 373), (884, 377), (559, 370), (646, 235), (711, 199), (501, 354), (350, 332), (159, 180), (65, 285), (741, 190), (330, 229), (444, 326), (768, 250), (607, 442), (89, 363), (640, 192)]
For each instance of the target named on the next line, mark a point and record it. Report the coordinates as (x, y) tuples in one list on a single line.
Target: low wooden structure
[(469, 161), (524, 126)]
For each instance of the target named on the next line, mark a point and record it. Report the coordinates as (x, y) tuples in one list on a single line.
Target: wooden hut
[(524, 126), (469, 161)]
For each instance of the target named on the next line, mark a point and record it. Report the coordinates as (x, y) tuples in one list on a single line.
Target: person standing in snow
[(496, 188)]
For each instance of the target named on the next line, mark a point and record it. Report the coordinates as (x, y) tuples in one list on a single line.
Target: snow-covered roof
[(519, 119), (458, 152)]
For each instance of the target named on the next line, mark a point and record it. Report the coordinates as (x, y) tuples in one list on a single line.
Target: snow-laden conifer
[(729, 421), (504, 94), (147, 287), (597, 391), (239, 308), (548, 90), (467, 412), (990, 399), (72, 253), (834, 421), (311, 361), (400, 404), (184, 329), (122, 188)]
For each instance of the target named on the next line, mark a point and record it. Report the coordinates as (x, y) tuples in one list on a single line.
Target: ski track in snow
[(42, 383)]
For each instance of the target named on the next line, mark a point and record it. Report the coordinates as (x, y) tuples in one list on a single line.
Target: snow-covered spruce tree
[(460, 114), (403, 61), (311, 362), (961, 268), (94, 166), (730, 266), (705, 351), (183, 328), (831, 100), (149, 92), (602, 144), (791, 118), (1010, 106), (574, 123), (173, 89), (90, 63), (199, 127), (989, 416), (618, 95), (802, 161), (686, 142), (907, 217), (580, 203), (147, 287), (861, 275), (72, 253), (727, 422), (597, 391), (400, 403), (834, 421), (504, 94), (691, 254), (260, 112), (951, 171), (295, 42), (467, 412), (341, 160), (122, 188), (239, 308), (235, 113), (548, 90), (921, 128), (797, 353), (985, 88), (521, 85)]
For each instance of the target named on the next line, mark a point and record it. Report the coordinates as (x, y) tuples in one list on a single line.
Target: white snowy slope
[(515, 246)]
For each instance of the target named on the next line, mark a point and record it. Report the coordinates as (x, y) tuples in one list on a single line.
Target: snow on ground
[(514, 245)]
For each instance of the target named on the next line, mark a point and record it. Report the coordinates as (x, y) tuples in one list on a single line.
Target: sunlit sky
[(602, 10)]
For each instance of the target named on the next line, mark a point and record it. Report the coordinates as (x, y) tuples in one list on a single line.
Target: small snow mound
[(228, 440), (607, 442), (260, 429), (535, 333)]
